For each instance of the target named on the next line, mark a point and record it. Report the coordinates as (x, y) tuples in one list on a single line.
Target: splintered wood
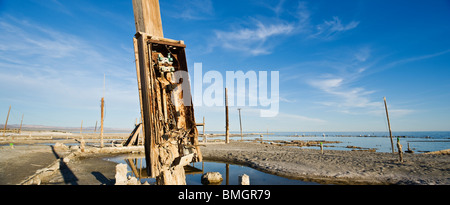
[(171, 135), (169, 126)]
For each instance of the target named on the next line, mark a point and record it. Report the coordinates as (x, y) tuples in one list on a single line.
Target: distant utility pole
[(6, 123), (227, 125), (101, 121), (102, 110), (81, 128), (240, 122), (20, 128), (389, 125)]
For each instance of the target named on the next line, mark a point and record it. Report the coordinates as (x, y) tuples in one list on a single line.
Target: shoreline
[(334, 167)]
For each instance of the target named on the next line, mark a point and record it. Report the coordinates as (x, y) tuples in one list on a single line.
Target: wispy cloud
[(56, 69), (190, 10), (415, 58), (253, 37), (55, 5), (283, 116), (339, 83), (330, 29), (252, 40)]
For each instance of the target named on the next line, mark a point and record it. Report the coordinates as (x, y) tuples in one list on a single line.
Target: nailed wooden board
[(148, 17)]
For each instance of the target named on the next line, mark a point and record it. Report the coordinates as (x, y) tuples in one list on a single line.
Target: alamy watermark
[(252, 89)]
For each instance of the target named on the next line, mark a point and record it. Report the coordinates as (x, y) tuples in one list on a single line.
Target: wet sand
[(334, 167)]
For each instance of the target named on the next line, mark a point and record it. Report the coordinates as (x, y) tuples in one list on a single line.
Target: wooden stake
[(101, 121), (20, 128), (227, 125), (227, 173), (389, 125), (6, 123), (204, 136), (399, 147), (321, 147), (81, 128), (95, 129), (240, 122)]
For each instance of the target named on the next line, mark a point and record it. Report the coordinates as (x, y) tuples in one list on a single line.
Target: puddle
[(229, 172)]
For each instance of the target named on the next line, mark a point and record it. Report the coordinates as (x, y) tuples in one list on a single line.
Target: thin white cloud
[(344, 69), (344, 96), (252, 40), (327, 84), (55, 69), (190, 10), (283, 116), (416, 58), (330, 29)]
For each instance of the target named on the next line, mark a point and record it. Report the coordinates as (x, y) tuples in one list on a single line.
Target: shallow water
[(419, 142), (229, 172)]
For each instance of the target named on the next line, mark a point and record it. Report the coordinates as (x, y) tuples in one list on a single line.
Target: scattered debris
[(301, 143), (440, 152), (244, 180), (121, 174), (409, 150), (212, 178)]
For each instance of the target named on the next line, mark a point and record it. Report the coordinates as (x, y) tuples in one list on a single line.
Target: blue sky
[(336, 59)]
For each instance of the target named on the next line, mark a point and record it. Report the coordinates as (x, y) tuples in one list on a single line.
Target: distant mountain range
[(70, 129)]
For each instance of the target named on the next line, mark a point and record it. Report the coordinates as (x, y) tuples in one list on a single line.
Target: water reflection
[(194, 171)]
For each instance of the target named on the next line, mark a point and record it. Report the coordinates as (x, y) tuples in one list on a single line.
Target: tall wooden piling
[(227, 125), (389, 125), (101, 121), (240, 122), (21, 122), (204, 135), (6, 123)]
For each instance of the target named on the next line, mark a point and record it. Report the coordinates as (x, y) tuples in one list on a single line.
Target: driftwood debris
[(133, 139), (170, 132)]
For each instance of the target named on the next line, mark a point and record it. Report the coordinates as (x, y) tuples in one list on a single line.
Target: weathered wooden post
[(399, 147), (389, 125), (82, 144), (20, 128), (321, 147), (227, 125), (204, 125), (240, 122), (170, 132), (6, 123), (102, 115)]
